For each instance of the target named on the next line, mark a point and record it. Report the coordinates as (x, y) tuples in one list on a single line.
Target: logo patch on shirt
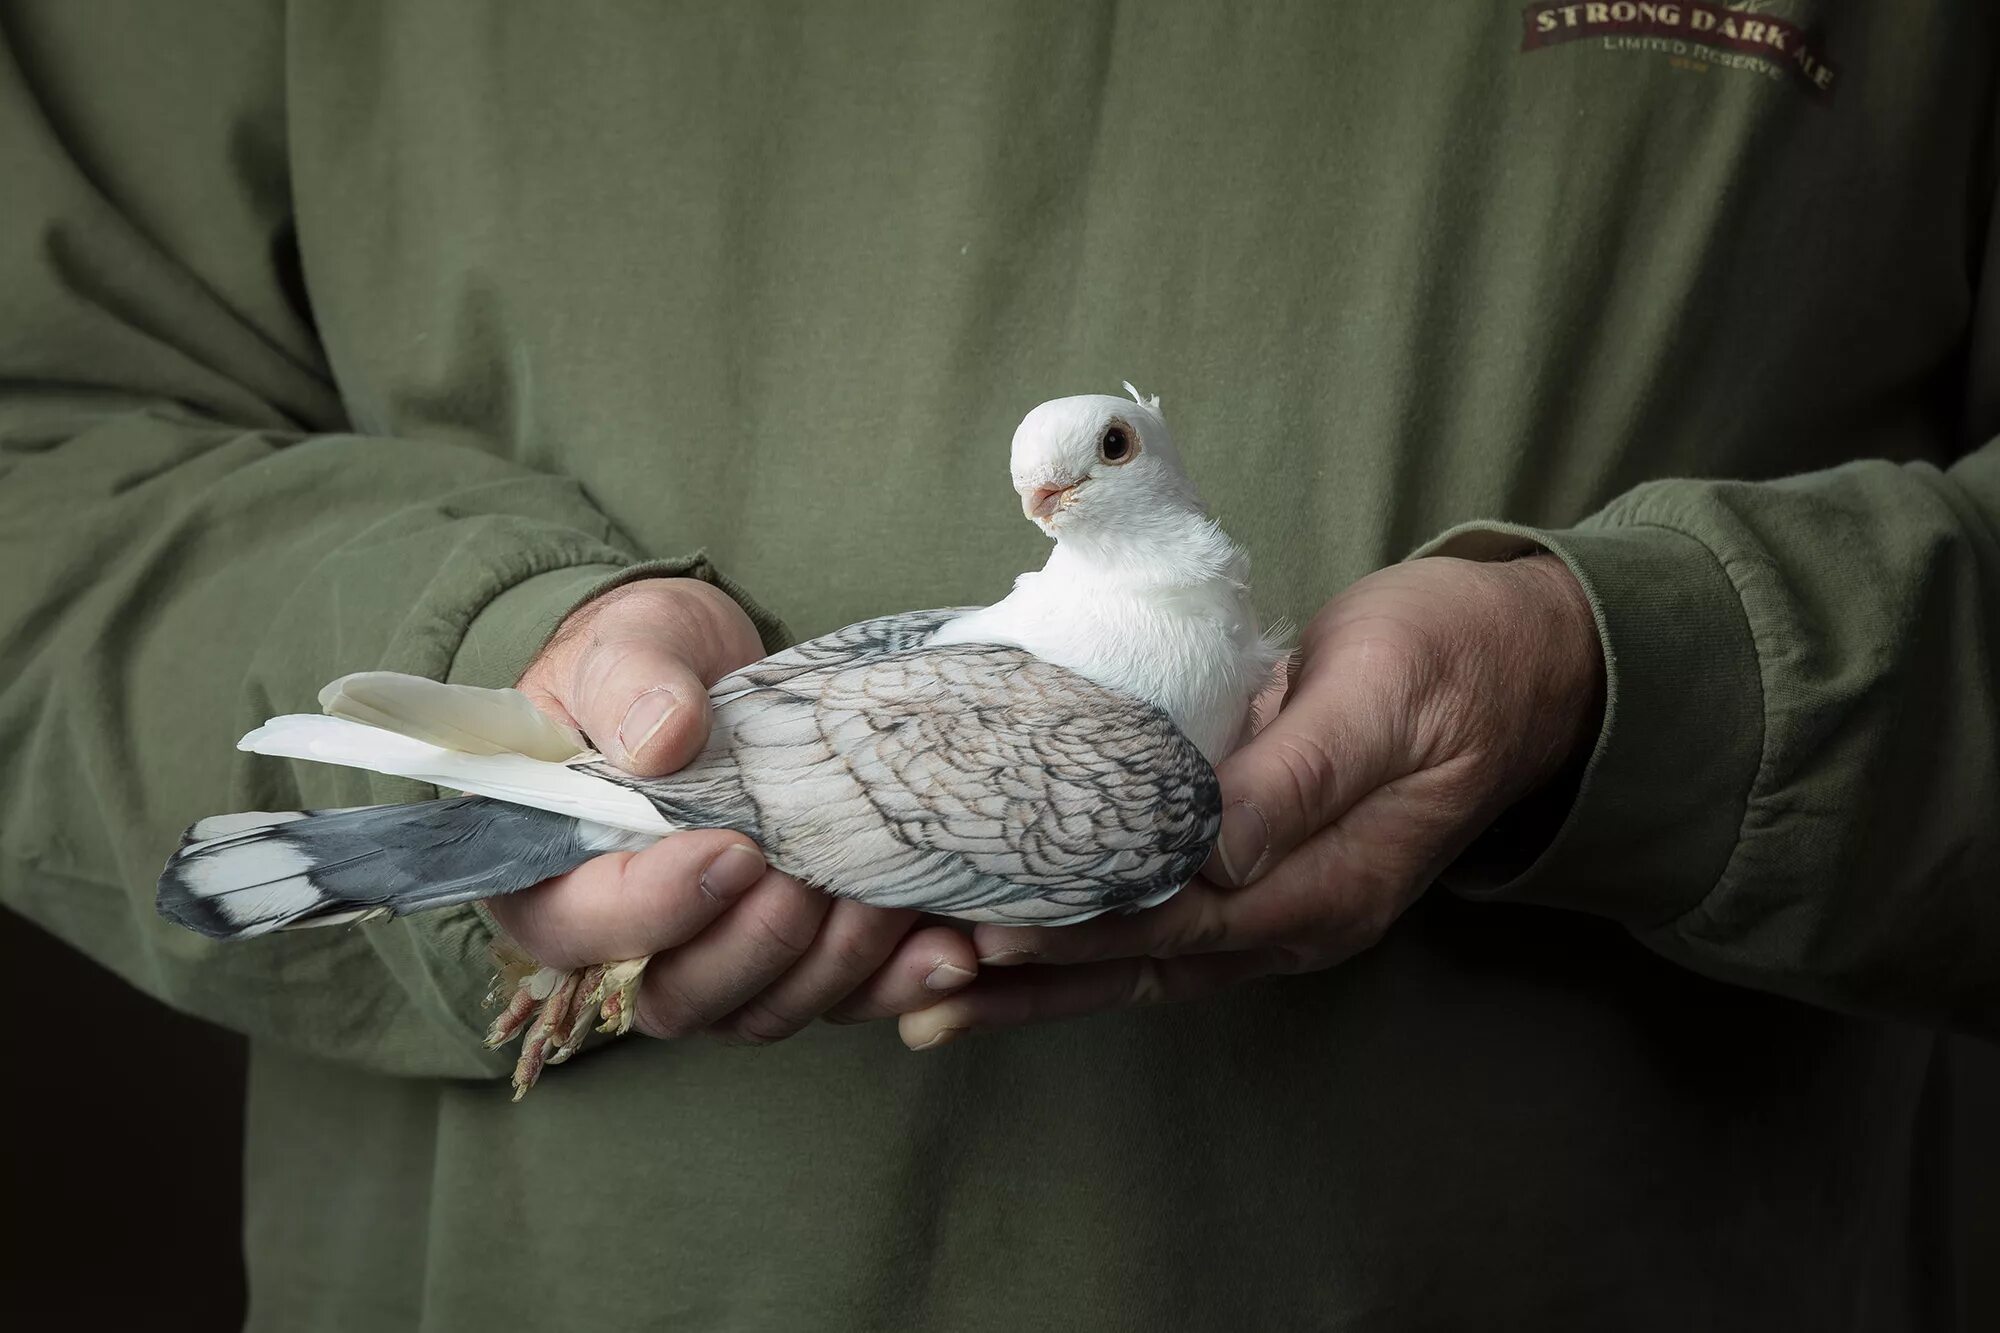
[(1746, 35)]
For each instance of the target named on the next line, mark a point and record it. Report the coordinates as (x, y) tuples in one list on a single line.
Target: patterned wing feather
[(864, 639), (972, 781)]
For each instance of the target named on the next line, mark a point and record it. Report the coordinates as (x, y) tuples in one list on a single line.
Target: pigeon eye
[(1116, 444)]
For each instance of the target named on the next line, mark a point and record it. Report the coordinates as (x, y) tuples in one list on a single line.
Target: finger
[(641, 702), (1370, 864), (853, 941), (1329, 898), (635, 671), (630, 904), (1329, 745), (1019, 996), (725, 966), (1195, 920), (928, 963), (1303, 909)]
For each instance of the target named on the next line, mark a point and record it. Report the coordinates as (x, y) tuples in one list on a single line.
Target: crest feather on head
[(1141, 399)]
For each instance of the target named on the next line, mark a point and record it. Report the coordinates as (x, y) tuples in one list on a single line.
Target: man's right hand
[(744, 950)]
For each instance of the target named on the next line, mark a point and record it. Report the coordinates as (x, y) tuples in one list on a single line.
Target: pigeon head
[(1097, 467)]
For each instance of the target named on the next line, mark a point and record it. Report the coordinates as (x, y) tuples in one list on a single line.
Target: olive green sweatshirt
[(337, 335)]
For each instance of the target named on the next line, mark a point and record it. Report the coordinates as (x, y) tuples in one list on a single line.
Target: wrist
[(1566, 699), (1683, 696), (1551, 668)]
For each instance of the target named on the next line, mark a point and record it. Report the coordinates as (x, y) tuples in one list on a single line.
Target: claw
[(550, 1008), (540, 1041), (571, 1025), (617, 995), (508, 1023), (525, 984)]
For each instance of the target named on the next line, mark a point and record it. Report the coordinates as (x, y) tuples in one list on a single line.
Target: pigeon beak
[(1042, 502)]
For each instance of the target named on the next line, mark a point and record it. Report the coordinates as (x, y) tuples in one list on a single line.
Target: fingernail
[(733, 870), (1241, 845), (928, 1028), (948, 976), (643, 720), (939, 1038), (1011, 956)]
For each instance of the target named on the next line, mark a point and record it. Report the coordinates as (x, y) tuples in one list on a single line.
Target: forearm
[(1797, 785), (195, 540), (165, 609)]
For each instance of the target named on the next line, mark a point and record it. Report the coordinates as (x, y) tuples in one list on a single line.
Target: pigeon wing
[(972, 781), (860, 641)]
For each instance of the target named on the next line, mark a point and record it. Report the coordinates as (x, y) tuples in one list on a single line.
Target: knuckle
[(666, 1010), (761, 1025), (851, 956), (1305, 768), (584, 689), (851, 947), (783, 927)]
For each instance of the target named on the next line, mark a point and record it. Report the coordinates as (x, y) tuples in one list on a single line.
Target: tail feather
[(557, 787), (459, 718), (237, 876)]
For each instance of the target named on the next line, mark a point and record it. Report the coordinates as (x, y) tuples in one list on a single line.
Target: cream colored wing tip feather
[(457, 717)]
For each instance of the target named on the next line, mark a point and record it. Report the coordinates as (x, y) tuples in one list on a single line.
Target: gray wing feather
[(863, 639), (1052, 797), (709, 792), (970, 780)]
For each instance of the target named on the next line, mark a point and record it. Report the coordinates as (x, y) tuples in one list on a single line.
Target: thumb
[(632, 669), (1326, 749), (638, 685), (642, 704)]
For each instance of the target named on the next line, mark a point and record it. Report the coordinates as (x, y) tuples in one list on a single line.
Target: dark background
[(124, 1173)]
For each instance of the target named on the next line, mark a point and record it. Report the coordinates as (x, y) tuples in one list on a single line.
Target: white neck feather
[(1162, 613)]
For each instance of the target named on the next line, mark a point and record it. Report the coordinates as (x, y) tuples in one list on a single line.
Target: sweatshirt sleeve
[(194, 541), (1797, 782)]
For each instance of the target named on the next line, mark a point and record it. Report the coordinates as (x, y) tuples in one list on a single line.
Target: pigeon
[(1037, 761)]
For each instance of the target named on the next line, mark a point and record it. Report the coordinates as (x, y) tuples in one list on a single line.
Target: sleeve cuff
[(1662, 798)]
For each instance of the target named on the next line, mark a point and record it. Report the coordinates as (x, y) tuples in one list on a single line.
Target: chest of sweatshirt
[(779, 281)]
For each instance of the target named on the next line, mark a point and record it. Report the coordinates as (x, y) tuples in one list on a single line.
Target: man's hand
[(743, 950), (1427, 698)]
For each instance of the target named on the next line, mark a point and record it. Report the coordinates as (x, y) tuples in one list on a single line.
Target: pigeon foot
[(549, 1008)]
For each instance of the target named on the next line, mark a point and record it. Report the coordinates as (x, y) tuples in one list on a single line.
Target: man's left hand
[(1426, 699)]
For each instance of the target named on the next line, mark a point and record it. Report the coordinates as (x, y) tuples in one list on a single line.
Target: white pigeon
[(1037, 761)]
